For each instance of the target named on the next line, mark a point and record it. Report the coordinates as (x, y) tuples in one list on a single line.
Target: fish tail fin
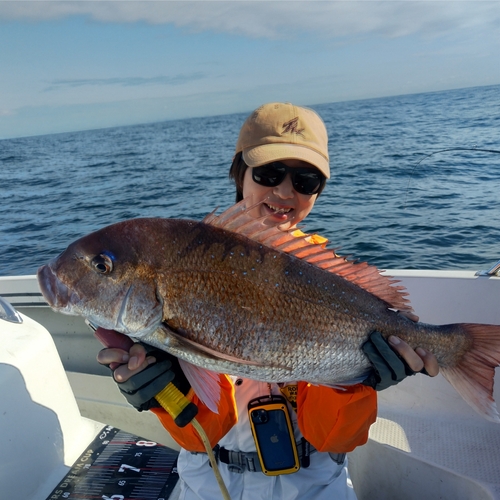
[(473, 377)]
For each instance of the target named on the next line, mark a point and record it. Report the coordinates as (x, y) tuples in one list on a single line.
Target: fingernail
[(420, 351), (133, 362), (394, 340), (151, 360), (125, 358)]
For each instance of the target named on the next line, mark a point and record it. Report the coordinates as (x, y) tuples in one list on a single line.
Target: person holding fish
[(272, 440)]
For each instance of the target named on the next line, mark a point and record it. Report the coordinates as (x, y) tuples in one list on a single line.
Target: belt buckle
[(235, 468), (236, 462)]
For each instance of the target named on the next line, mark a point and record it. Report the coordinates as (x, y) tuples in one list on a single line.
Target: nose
[(285, 189)]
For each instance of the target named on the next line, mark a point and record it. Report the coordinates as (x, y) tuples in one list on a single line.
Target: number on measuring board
[(146, 443), (114, 497), (129, 467)]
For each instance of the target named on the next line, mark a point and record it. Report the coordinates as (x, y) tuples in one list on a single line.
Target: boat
[(61, 415)]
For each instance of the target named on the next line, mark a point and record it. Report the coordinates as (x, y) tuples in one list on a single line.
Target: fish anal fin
[(344, 384)]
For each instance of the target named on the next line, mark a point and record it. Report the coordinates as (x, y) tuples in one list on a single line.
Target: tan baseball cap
[(282, 131)]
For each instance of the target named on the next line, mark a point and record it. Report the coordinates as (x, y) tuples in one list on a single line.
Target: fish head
[(101, 278)]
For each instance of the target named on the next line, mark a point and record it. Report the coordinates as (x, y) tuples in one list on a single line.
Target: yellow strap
[(173, 401)]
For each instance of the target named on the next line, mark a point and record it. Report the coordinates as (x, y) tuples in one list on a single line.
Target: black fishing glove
[(389, 368), (140, 389)]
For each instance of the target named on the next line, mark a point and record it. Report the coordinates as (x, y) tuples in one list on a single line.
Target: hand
[(419, 360), (394, 360), (142, 371), (126, 363)]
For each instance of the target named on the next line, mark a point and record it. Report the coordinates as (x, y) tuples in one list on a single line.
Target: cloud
[(125, 81), (275, 19)]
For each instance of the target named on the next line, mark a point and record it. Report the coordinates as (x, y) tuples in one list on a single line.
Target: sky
[(88, 64)]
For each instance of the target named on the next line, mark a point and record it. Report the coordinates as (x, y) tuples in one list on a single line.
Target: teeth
[(279, 210)]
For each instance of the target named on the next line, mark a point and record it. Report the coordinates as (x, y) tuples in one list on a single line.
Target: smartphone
[(273, 435)]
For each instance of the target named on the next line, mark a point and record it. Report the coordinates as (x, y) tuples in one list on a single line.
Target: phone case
[(273, 434)]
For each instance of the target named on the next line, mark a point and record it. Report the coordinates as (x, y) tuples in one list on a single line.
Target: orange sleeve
[(334, 420), (215, 425)]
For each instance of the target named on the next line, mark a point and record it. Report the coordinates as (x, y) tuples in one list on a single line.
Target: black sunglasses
[(305, 180)]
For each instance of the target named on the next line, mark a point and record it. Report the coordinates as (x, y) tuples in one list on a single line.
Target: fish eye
[(102, 263)]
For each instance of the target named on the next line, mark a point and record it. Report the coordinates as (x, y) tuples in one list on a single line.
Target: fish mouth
[(57, 294)]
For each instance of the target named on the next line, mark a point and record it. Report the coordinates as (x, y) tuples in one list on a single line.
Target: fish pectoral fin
[(191, 345), (205, 383)]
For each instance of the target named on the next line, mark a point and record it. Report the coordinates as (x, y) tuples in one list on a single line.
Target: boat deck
[(426, 443)]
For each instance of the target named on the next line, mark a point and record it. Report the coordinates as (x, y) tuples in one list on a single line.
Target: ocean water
[(387, 202)]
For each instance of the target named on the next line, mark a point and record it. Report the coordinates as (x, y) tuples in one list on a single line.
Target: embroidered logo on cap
[(292, 127)]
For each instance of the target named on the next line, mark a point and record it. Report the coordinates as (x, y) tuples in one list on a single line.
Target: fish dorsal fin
[(238, 220)]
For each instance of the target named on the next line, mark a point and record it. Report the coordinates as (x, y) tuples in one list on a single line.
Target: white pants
[(322, 480)]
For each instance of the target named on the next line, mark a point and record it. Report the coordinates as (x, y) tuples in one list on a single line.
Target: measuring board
[(120, 466)]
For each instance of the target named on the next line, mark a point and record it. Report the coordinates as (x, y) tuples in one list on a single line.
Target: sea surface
[(387, 202)]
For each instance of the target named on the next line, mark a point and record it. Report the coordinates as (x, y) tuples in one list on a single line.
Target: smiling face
[(281, 203)]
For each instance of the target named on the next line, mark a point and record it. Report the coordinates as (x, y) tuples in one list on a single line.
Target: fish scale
[(257, 307), (233, 295)]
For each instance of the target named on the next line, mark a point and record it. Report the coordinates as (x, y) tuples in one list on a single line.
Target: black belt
[(239, 461)]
